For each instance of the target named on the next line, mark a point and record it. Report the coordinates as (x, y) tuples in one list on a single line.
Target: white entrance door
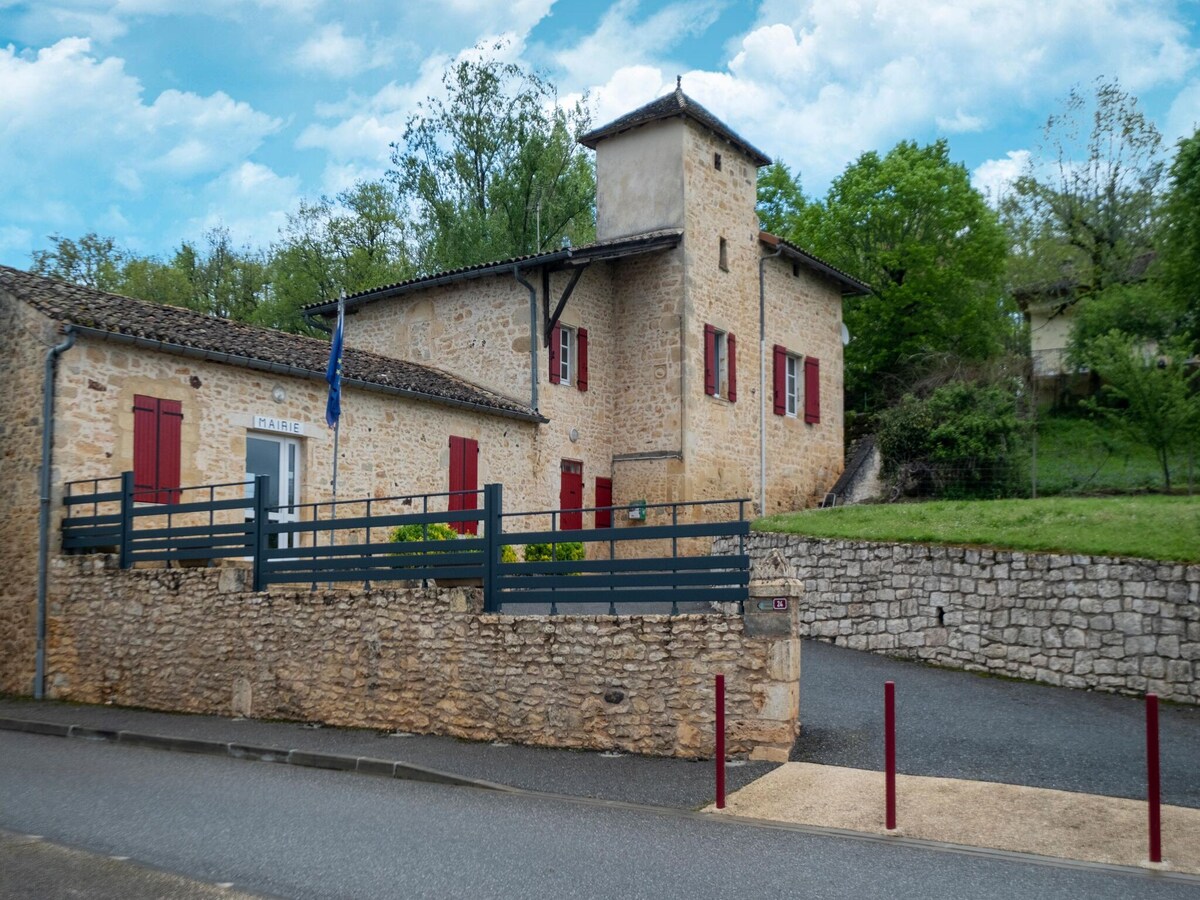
[(278, 457)]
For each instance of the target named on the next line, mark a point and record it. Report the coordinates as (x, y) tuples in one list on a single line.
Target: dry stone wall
[(1110, 624), (195, 640)]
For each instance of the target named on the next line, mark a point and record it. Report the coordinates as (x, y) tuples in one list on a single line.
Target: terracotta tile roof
[(613, 248), (672, 105), (175, 329), (851, 286)]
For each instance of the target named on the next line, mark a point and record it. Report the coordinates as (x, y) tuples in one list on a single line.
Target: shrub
[(508, 554), (963, 441), (567, 550), (434, 531)]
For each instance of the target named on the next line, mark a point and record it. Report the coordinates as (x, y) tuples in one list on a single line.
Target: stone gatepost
[(773, 614)]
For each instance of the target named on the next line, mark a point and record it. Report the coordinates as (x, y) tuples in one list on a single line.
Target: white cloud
[(620, 41), (993, 177), (818, 82), (249, 199), (1183, 118), (330, 52)]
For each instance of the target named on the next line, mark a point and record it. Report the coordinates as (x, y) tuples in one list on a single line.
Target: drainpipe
[(44, 507), (762, 381), (533, 338)]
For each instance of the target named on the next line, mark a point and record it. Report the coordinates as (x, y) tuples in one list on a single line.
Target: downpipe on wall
[(52, 355), (762, 380), (533, 338)]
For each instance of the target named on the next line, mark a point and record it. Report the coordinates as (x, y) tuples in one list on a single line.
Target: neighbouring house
[(685, 355)]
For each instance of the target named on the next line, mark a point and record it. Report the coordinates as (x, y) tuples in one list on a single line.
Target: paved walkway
[(959, 725), (974, 813)]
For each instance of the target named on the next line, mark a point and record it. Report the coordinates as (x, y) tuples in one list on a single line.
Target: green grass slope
[(1151, 527)]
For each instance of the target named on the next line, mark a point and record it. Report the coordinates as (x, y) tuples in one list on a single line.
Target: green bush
[(568, 550), (434, 531), (508, 554), (963, 441)]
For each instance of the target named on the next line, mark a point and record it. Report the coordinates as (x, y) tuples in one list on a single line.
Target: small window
[(566, 354), (720, 364), (795, 270), (717, 161), (724, 258), (792, 384), (157, 426)]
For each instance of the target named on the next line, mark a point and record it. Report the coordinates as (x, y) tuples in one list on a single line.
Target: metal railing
[(667, 559)]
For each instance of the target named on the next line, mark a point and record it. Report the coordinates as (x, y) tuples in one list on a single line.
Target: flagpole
[(334, 376)]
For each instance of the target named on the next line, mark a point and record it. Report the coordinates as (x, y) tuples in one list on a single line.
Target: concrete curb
[(364, 765)]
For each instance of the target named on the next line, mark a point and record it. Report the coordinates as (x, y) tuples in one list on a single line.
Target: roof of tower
[(676, 104)]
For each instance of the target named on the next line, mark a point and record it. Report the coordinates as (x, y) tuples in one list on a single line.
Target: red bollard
[(1153, 793), (889, 733), (720, 752)]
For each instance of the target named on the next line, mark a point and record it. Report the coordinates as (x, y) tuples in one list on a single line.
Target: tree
[(912, 227), (495, 169), (92, 261), (223, 280), (1147, 395), (781, 201), (1179, 236), (1086, 214), (350, 243)]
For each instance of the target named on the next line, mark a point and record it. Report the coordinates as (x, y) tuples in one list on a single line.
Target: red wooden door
[(603, 498), (570, 496)]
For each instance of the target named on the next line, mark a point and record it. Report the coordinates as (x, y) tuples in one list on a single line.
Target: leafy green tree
[(1150, 396), (223, 280), (350, 243), (1179, 236), (1084, 209), (495, 169), (92, 261), (1142, 311), (781, 200), (912, 227)]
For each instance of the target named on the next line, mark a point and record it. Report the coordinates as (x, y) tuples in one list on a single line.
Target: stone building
[(685, 355)]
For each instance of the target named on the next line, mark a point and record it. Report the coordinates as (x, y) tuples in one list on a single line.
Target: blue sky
[(150, 122)]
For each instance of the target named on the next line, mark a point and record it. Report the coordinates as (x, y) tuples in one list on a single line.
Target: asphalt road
[(959, 725), (304, 833)]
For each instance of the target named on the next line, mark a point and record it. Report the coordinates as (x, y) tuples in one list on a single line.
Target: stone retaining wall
[(1110, 624), (195, 640)]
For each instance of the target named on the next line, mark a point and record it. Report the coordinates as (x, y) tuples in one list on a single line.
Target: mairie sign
[(270, 423)]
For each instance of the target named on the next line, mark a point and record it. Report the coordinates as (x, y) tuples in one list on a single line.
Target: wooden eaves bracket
[(552, 320)]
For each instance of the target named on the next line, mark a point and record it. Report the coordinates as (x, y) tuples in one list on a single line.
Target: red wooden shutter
[(555, 344), (145, 448), (604, 498), (812, 389), (455, 501), (581, 377), (170, 430), (780, 373), (470, 482), (710, 358), (731, 349)]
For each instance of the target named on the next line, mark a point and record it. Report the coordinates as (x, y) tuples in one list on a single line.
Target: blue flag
[(333, 372)]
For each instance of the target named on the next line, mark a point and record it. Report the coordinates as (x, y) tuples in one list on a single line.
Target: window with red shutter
[(731, 345), (603, 499), (710, 360), (157, 432), (555, 342), (812, 390), (464, 476), (780, 379), (581, 357)]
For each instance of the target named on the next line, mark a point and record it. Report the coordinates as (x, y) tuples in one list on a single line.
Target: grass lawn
[(1078, 455), (1153, 527)]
